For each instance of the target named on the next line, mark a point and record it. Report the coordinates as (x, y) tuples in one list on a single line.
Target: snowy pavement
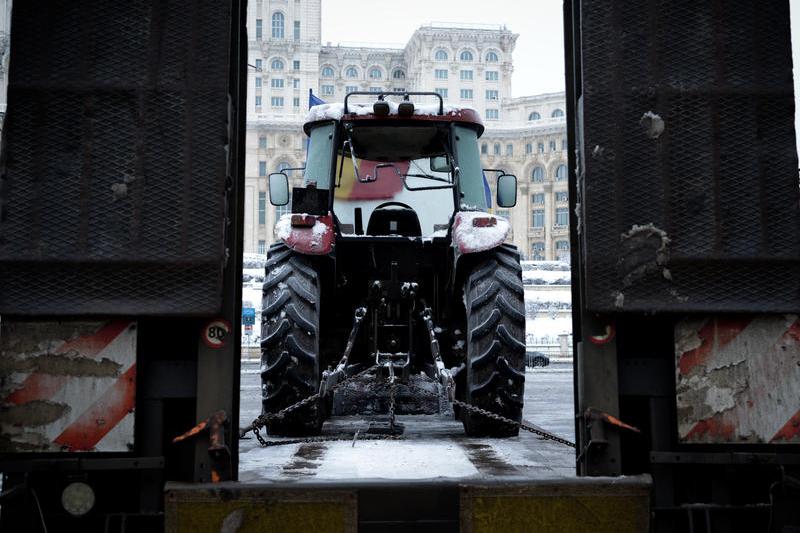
[(432, 446)]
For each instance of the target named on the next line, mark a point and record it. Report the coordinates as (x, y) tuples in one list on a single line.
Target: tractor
[(391, 259)]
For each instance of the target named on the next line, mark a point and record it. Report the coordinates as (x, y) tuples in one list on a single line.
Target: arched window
[(277, 64), (327, 72), (351, 72), (375, 73), (277, 25), (496, 148), (398, 74), (441, 55), (466, 55), (534, 116), (484, 148), (557, 113), (537, 175), (561, 172), (284, 165), (491, 57)]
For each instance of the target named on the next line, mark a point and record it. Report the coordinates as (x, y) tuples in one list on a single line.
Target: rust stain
[(715, 335)]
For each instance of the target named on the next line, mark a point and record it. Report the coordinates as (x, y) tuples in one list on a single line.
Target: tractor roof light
[(77, 498), (405, 108), (381, 107)]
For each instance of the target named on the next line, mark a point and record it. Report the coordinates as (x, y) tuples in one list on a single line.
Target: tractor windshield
[(394, 180)]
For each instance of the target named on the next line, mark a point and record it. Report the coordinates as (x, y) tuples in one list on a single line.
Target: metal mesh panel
[(115, 157), (702, 215)]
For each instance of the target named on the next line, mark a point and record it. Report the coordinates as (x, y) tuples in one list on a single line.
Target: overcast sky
[(538, 24)]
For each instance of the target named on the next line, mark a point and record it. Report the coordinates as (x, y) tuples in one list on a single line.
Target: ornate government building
[(467, 64)]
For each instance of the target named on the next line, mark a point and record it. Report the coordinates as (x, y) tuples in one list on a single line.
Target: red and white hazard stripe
[(98, 411), (738, 379)]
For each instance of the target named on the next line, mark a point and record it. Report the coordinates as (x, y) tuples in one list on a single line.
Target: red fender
[(306, 234)]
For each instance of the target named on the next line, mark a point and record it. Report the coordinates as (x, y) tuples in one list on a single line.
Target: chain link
[(331, 438), (264, 419), (392, 390)]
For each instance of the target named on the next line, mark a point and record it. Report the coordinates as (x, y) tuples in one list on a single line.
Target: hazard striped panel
[(67, 386), (738, 379)]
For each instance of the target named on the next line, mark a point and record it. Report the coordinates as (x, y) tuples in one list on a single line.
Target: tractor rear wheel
[(495, 373), (290, 341)]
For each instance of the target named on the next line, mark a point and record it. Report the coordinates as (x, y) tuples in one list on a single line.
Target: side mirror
[(278, 188), (506, 190), (440, 163)]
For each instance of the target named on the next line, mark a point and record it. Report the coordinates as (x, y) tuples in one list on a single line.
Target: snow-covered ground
[(432, 446)]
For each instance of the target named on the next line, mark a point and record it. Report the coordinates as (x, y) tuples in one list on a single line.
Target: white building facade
[(469, 65)]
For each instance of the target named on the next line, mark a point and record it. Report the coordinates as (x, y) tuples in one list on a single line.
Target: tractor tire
[(290, 366), (495, 372)]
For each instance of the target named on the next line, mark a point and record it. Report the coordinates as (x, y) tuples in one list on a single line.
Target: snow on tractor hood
[(476, 231)]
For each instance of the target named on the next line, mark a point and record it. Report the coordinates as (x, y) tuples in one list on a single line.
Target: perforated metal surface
[(719, 183), (113, 196)]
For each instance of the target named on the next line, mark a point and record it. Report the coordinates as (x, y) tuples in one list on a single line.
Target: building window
[(258, 82), (509, 149), (296, 30), (492, 75), (466, 75), (561, 172), (262, 142), (258, 65), (538, 198), (276, 101), (562, 216), (440, 74), (262, 208), (262, 168), (296, 83), (491, 57), (258, 101), (552, 146), (296, 101), (541, 148), (277, 83), (375, 73), (399, 74), (561, 196), (534, 116), (528, 148), (351, 72), (537, 175), (563, 144), (350, 89), (557, 113), (466, 55), (296, 64), (375, 89), (262, 247), (496, 148), (399, 89), (259, 29), (466, 94), (327, 90), (282, 166), (537, 251), (484, 148), (492, 114), (440, 55), (277, 25), (538, 218), (562, 246), (441, 91), (277, 64), (327, 72), (491, 95)]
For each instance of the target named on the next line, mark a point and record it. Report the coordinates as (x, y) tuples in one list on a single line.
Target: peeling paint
[(34, 413), (70, 364)]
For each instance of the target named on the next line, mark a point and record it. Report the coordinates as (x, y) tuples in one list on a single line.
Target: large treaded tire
[(290, 341), (495, 373)]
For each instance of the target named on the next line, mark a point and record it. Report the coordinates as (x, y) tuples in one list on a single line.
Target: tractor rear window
[(320, 146)]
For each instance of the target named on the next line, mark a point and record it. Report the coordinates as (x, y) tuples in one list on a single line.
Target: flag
[(313, 100)]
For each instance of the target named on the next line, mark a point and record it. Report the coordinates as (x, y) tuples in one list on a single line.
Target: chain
[(263, 420), (392, 389), (332, 438)]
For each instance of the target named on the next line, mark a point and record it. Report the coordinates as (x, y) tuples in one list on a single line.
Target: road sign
[(248, 316)]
